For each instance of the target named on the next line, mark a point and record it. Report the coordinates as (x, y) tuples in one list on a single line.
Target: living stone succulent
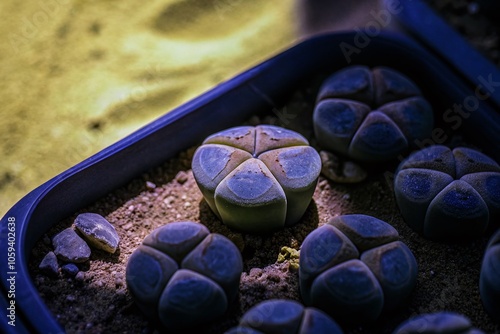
[(285, 317), (183, 275), (437, 323), (257, 179), (354, 268), (370, 114), (489, 281), (448, 194)]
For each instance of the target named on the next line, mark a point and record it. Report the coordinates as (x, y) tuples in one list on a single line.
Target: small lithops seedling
[(448, 194), (354, 268), (285, 317), (489, 282), (257, 179), (184, 276), (437, 323), (370, 114)]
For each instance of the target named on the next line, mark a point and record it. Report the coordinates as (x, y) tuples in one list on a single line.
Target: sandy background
[(78, 76)]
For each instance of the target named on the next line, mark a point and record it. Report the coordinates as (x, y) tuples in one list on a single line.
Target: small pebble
[(70, 298), (49, 265), (70, 269), (98, 231), (181, 177), (46, 239), (80, 276), (150, 185), (341, 171), (127, 226), (69, 247)]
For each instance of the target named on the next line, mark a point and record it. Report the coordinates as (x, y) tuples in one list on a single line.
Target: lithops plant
[(184, 276), (370, 114), (489, 282), (437, 323), (285, 317), (257, 179), (354, 268), (448, 194)]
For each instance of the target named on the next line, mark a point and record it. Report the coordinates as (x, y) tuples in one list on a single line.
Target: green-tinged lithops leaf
[(456, 212), (446, 195), (148, 271), (251, 199), (434, 323), (377, 138), (471, 161), (365, 231), (436, 157), (354, 83), (336, 121), (297, 170), (391, 85), (371, 115), (315, 321), (190, 299), (489, 281), (269, 137), (415, 189), (323, 248), (177, 239), (216, 257), (348, 291), (395, 268), (242, 190), (413, 116), (211, 164), (274, 316), (242, 137)]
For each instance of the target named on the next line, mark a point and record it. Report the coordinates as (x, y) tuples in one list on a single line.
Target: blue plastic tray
[(256, 90)]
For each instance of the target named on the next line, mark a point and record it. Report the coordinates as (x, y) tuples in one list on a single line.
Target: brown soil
[(99, 301)]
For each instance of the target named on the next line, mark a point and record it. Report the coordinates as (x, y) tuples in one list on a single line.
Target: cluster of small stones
[(71, 246)]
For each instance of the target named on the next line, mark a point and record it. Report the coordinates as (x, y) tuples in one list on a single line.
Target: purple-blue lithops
[(447, 194), (285, 317), (437, 323), (370, 115), (489, 281), (183, 275), (257, 179), (354, 268)]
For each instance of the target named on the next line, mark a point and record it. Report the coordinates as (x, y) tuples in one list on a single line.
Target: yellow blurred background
[(80, 75)]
